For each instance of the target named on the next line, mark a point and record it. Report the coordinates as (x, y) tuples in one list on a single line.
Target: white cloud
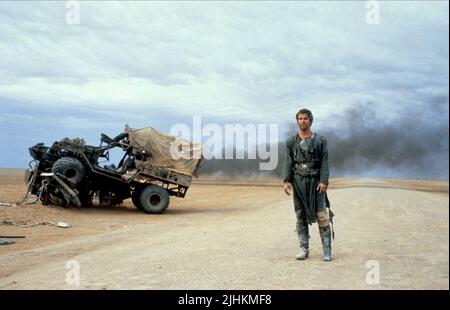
[(264, 59)]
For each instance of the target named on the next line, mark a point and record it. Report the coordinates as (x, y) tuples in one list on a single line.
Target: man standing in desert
[(306, 172)]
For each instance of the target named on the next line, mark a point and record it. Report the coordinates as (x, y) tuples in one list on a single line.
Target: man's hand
[(322, 188), (287, 188)]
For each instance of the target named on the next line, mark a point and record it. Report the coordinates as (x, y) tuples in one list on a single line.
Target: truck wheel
[(70, 167), (154, 199), (135, 198)]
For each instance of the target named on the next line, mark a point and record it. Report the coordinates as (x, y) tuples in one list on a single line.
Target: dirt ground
[(233, 234)]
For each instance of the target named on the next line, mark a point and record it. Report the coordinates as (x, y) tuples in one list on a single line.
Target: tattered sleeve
[(288, 162), (324, 168)]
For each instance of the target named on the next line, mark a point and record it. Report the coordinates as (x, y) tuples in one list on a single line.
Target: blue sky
[(159, 63)]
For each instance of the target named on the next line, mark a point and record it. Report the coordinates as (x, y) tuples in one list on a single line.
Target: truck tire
[(70, 167), (154, 199)]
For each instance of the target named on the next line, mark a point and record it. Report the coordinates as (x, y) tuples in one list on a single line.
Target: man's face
[(303, 122)]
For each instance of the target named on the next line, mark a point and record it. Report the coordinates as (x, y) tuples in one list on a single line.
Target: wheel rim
[(70, 173), (155, 199)]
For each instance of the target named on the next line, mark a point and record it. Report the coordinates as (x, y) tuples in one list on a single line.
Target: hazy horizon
[(378, 91)]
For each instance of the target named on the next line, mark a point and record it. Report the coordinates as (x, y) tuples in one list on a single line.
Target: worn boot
[(303, 237), (325, 236)]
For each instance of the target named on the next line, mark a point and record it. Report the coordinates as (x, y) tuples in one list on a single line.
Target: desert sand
[(233, 234)]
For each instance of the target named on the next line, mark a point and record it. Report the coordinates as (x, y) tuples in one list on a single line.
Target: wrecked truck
[(69, 172)]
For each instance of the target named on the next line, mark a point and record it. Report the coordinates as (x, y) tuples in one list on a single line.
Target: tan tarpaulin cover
[(157, 146)]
